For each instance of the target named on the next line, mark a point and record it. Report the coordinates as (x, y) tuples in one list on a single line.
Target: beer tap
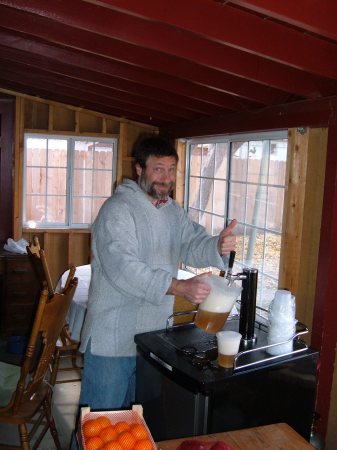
[(230, 266), (249, 277)]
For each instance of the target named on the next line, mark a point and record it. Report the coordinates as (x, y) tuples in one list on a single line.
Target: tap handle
[(231, 260)]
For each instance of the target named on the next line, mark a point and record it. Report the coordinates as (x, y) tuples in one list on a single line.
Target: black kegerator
[(185, 393)]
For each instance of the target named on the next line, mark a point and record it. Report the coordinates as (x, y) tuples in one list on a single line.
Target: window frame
[(71, 139), (228, 139)]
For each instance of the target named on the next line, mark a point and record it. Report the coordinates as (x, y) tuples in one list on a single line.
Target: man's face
[(159, 176)]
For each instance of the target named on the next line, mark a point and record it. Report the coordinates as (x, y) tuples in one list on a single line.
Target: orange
[(94, 443), (139, 431), (121, 426), (143, 444), (103, 422), (112, 445), (90, 428), (108, 434), (127, 440)]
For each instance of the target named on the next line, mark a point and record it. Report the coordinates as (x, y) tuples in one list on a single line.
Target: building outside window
[(66, 179), (242, 177)]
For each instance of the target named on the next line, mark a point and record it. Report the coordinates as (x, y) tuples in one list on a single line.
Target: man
[(138, 239)]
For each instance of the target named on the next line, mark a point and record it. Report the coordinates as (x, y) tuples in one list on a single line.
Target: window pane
[(82, 182), (206, 196), (102, 183), (237, 201), (57, 181), (272, 254), (256, 205), (239, 161), (278, 161), (195, 160), (103, 155), (36, 152), (268, 286), (57, 153), (254, 248), (36, 180), (258, 162), (194, 195), (35, 208), (82, 210), (96, 206), (56, 209), (83, 154), (219, 198), (218, 225), (207, 160), (275, 208), (221, 161)]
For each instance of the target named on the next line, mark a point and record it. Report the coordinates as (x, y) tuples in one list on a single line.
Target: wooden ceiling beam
[(42, 84), (70, 100), (318, 112), (106, 23), (316, 16), (108, 83), (220, 22), (113, 66)]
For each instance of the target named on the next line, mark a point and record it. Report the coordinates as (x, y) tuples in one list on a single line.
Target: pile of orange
[(102, 434)]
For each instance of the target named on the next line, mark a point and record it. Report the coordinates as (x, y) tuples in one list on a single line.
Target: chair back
[(38, 260), (48, 323)]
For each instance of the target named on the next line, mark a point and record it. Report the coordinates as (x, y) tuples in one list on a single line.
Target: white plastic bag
[(16, 246)]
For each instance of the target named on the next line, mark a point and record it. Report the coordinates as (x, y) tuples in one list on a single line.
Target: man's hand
[(227, 240), (195, 289)]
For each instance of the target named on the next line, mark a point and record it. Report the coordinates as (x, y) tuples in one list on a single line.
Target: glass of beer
[(228, 347), (213, 312)]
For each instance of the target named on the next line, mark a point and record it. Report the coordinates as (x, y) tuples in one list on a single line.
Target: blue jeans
[(107, 383)]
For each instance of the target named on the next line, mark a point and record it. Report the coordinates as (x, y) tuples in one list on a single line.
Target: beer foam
[(228, 342), (222, 297)]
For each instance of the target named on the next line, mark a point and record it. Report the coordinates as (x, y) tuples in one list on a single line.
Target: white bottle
[(282, 322)]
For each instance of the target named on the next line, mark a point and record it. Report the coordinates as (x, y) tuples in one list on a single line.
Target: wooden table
[(278, 436)]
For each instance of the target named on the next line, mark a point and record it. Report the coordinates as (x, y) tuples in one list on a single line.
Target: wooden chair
[(29, 402), (66, 347)]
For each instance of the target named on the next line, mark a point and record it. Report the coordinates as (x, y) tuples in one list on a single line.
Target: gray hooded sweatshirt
[(136, 249)]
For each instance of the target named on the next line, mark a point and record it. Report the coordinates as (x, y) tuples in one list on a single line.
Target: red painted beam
[(316, 16), (169, 85), (221, 22), (319, 112), (175, 42), (109, 84), (141, 65), (111, 110), (38, 84), (88, 89)]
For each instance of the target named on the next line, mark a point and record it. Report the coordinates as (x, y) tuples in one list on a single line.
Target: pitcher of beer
[(213, 312)]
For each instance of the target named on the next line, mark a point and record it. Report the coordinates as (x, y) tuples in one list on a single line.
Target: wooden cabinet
[(19, 294)]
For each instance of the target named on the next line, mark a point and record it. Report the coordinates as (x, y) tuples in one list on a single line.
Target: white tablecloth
[(78, 307)]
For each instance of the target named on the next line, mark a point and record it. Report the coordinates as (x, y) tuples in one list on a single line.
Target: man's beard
[(149, 188)]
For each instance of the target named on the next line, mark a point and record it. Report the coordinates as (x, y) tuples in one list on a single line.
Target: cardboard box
[(134, 415)]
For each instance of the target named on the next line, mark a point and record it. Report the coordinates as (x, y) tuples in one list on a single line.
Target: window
[(66, 179), (242, 177)]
